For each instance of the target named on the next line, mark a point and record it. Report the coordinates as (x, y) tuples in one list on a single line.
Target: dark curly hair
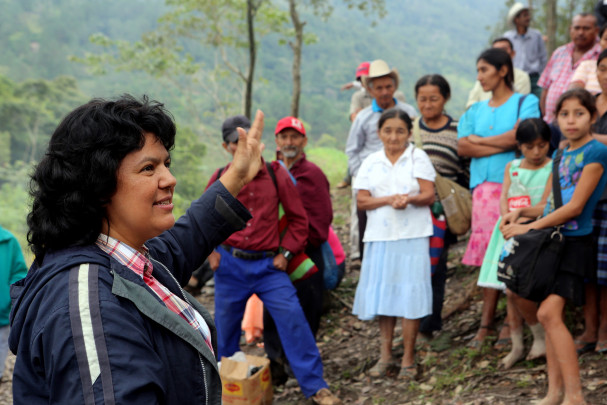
[(78, 174)]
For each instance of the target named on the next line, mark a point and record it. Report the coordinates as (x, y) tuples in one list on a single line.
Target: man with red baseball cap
[(313, 188), (254, 261)]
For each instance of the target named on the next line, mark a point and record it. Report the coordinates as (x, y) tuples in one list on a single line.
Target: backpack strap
[(268, 166), (272, 174), (556, 183), (417, 138), (520, 103)]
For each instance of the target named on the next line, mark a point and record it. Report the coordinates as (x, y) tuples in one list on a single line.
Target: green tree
[(322, 8), (30, 110), (186, 158), (230, 28)]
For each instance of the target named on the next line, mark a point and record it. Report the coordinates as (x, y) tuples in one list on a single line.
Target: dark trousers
[(362, 225), (535, 89), (310, 294), (236, 280), (434, 321)]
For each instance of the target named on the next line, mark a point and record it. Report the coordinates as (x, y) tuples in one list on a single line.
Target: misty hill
[(416, 37)]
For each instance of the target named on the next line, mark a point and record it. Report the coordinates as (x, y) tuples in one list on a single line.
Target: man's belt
[(243, 254)]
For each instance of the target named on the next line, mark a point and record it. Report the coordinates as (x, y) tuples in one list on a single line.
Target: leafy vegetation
[(39, 81)]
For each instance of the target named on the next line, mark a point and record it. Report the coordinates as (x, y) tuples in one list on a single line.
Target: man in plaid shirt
[(565, 59)]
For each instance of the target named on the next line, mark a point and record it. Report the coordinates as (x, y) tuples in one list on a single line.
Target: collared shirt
[(313, 187), (382, 178), (531, 55), (557, 75), (522, 85), (142, 266), (261, 198), (362, 99), (363, 139)]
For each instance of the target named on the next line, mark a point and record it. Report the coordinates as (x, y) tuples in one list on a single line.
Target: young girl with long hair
[(531, 173), (582, 178)]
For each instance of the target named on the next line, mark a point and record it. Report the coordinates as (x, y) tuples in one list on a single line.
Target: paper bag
[(242, 390)]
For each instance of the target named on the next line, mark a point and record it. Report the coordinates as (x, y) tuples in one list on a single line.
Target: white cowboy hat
[(514, 10), (379, 68)]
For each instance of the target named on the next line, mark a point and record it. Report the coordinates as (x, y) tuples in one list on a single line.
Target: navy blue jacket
[(87, 330)]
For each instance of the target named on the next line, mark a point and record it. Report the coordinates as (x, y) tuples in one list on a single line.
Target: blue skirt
[(395, 280)]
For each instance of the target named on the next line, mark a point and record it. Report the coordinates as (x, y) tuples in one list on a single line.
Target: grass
[(333, 162)]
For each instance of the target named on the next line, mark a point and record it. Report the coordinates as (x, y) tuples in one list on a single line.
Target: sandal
[(381, 368), (503, 343), (582, 346), (476, 344), (408, 373), (601, 346)]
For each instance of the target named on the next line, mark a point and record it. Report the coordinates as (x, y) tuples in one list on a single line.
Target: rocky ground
[(450, 372)]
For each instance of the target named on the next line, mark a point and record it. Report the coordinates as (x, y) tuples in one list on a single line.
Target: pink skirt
[(485, 213)]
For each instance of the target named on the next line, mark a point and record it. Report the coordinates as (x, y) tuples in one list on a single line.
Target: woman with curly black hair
[(101, 316)]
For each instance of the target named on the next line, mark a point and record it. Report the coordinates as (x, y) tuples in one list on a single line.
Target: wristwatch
[(288, 255)]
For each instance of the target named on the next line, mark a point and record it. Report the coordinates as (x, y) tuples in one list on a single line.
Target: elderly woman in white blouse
[(396, 186)]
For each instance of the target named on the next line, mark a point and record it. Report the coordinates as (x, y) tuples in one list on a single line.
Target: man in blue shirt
[(531, 55)]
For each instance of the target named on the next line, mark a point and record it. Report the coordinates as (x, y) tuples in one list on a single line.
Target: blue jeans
[(235, 281)]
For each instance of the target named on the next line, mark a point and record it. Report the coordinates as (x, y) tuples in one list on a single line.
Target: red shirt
[(313, 188), (261, 198)]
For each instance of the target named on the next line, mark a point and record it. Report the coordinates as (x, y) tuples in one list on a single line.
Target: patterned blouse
[(441, 146)]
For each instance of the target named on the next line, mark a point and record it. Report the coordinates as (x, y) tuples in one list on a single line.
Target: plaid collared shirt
[(558, 72), (142, 266)]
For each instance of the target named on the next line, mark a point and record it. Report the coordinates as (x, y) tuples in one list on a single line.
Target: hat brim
[(514, 13), (393, 74)]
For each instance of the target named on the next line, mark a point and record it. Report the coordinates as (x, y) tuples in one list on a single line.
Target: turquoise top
[(485, 121)]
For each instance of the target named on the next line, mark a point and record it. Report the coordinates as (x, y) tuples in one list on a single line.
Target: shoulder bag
[(455, 199), (529, 261)]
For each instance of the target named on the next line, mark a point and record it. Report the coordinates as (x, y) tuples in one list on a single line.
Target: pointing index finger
[(257, 128)]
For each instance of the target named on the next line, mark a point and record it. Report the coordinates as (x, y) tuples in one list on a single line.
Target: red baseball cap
[(362, 69), (290, 122)]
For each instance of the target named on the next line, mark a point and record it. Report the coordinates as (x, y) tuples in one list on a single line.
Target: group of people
[(500, 149), (101, 316)]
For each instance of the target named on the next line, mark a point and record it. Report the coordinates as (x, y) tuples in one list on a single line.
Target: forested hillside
[(41, 78), (416, 36)]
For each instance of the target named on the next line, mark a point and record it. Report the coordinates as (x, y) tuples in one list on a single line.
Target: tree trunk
[(248, 91), (550, 25), (296, 47)]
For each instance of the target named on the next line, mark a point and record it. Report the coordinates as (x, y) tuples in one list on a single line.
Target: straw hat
[(514, 10), (379, 68)]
